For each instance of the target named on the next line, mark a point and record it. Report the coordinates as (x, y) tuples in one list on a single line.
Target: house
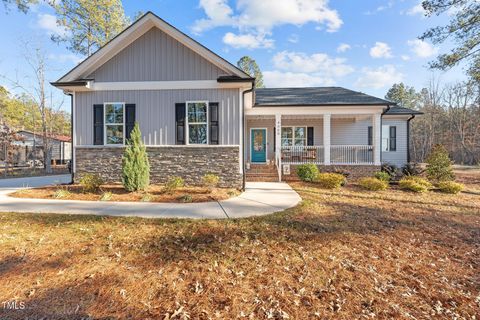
[(199, 114), (29, 147)]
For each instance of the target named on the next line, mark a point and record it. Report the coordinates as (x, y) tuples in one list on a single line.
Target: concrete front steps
[(262, 173)]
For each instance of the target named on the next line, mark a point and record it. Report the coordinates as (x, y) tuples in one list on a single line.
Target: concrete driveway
[(259, 198), (32, 182)]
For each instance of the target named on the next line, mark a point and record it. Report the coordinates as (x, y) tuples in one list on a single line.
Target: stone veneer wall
[(188, 162), (354, 172)]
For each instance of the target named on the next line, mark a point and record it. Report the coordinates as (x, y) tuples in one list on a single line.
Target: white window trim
[(187, 123), (105, 124), (387, 139), (293, 135)]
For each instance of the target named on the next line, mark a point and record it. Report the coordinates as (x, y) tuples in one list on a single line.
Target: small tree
[(135, 165), (439, 165)]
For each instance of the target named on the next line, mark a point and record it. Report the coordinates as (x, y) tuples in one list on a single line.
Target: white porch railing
[(302, 154), (351, 154), (339, 154)]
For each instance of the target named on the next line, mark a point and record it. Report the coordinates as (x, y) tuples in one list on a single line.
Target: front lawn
[(344, 254)]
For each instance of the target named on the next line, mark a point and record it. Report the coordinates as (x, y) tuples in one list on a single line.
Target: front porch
[(283, 141)]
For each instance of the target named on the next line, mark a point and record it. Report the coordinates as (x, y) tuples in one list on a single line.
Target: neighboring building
[(29, 147), (198, 115)]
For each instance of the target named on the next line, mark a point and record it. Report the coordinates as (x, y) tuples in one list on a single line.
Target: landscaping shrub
[(307, 172), (210, 181), (415, 184), (186, 198), (330, 180), (389, 168), (450, 187), (373, 184), (382, 175), (411, 169), (106, 196), (174, 183), (439, 165), (91, 182), (135, 165), (61, 194)]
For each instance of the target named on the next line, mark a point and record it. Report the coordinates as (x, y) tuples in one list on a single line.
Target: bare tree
[(36, 59)]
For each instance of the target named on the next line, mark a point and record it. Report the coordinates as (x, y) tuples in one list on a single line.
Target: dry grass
[(344, 254), (157, 193)]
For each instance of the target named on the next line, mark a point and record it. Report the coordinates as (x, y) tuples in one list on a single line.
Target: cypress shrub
[(439, 165), (135, 165)]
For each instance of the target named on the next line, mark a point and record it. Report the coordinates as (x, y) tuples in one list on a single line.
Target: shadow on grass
[(77, 300), (327, 192)]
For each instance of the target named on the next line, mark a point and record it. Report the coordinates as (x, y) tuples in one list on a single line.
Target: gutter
[(71, 135), (408, 137), (70, 83), (243, 127)]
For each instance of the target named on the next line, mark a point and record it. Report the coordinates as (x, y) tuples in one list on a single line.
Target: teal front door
[(259, 145)]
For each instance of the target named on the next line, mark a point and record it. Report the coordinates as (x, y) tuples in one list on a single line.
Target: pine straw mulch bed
[(344, 254), (156, 193)]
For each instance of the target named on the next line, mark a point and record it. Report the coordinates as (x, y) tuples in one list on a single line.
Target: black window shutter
[(180, 123), (214, 128), (370, 135), (98, 124), (274, 139), (310, 136), (393, 138), (129, 119)]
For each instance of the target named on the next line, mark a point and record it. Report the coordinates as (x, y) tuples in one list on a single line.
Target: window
[(114, 123), (389, 138), (197, 118), (294, 136)]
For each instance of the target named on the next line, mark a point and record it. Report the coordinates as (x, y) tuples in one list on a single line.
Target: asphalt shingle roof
[(314, 96), (397, 110)]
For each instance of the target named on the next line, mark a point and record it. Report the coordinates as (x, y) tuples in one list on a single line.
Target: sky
[(365, 45)]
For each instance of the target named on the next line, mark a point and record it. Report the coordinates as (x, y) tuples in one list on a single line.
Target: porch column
[(377, 141), (278, 145), (326, 138)]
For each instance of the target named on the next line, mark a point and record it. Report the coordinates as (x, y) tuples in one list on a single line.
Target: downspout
[(243, 128), (381, 125), (408, 137), (71, 135)]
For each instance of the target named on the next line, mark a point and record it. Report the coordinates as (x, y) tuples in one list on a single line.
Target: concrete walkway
[(259, 198)]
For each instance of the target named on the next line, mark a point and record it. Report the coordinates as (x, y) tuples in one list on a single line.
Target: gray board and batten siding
[(155, 112), (155, 56)]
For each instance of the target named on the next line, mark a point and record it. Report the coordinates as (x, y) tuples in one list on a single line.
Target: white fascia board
[(315, 110), (134, 32), (166, 85)]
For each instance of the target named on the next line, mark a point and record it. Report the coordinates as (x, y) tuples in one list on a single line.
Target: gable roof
[(315, 96), (133, 32)]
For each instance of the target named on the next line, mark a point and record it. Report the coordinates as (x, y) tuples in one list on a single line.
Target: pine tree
[(439, 165), (135, 165), (250, 66)]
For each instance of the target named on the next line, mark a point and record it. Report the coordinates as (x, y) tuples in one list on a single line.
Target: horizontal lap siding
[(155, 56), (399, 157), (346, 131), (349, 131), (155, 112)]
